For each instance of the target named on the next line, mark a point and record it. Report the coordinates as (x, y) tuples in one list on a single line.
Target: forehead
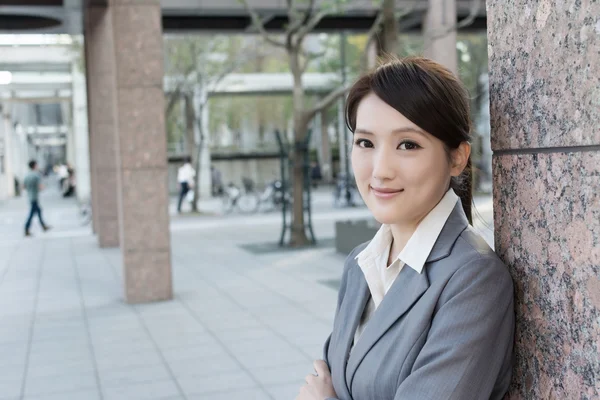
[(375, 115)]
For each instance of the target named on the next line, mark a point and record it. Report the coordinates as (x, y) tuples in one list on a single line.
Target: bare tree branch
[(371, 36), (299, 22), (259, 24), (311, 24), (468, 20), (473, 12), (327, 101), (173, 97)]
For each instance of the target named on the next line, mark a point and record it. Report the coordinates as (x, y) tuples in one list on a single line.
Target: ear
[(460, 157)]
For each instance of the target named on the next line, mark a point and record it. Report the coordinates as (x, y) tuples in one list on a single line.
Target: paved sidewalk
[(242, 325)]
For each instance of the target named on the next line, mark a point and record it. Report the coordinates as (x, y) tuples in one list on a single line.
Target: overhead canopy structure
[(65, 16)]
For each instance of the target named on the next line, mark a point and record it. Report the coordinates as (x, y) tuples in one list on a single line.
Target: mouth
[(385, 193)]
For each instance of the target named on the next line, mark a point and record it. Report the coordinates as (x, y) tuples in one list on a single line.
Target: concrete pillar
[(79, 126), (102, 96), (92, 158), (440, 33), (8, 155), (545, 107), (327, 166), (126, 38), (67, 113)]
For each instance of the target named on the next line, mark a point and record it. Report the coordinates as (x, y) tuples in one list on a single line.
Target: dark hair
[(430, 96), (32, 164)]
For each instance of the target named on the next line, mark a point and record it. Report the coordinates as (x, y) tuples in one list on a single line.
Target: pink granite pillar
[(134, 49), (102, 119), (545, 118)]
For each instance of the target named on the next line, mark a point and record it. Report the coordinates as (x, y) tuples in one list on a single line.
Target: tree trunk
[(194, 147), (298, 234), (389, 33), (196, 164), (297, 157)]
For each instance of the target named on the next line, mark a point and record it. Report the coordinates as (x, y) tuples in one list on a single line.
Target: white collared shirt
[(373, 259), (186, 173)]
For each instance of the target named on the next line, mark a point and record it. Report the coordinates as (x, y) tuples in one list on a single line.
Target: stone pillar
[(93, 180), (102, 92), (81, 135), (8, 154), (545, 107), (440, 33), (134, 92), (67, 115), (327, 166)]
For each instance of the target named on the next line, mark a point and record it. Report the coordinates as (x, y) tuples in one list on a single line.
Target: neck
[(401, 234)]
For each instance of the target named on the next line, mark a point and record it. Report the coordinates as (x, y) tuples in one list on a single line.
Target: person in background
[(32, 184), (63, 174), (185, 176), (315, 174), (217, 181)]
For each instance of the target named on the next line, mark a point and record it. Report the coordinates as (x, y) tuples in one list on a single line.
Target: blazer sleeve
[(347, 264), (470, 340)]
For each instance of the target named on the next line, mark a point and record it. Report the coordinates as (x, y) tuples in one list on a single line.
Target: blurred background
[(195, 162)]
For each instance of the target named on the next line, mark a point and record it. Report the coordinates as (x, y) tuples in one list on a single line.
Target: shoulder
[(472, 263), (351, 258), (351, 262)]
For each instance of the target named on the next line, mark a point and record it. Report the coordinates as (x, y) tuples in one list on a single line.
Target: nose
[(383, 166)]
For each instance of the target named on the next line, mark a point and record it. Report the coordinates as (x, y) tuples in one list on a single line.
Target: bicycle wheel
[(248, 203), (226, 203)]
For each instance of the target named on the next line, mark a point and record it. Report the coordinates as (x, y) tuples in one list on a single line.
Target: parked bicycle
[(274, 195), (233, 197)]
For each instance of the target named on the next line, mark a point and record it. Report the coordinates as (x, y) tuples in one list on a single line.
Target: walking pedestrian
[(32, 184), (185, 178)]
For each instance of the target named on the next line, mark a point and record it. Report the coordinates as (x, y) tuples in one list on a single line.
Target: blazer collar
[(457, 222)]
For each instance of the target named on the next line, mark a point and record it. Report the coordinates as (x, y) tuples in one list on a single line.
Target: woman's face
[(401, 171)]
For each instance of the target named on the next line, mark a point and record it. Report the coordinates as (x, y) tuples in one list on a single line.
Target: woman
[(425, 309)]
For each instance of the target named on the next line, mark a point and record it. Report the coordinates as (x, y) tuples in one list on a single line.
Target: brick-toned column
[(545, 113), (137, 101), (100, 73)]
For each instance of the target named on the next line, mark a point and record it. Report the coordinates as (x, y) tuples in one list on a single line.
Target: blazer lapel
[(355, 300), (405, 291)]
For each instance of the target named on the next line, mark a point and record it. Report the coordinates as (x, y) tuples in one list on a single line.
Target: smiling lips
[(386, 193)]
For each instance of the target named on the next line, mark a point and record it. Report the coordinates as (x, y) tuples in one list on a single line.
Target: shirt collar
[(420, 244)]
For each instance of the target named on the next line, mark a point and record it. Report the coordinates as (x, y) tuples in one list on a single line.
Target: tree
[(302, 19), (194, 64)]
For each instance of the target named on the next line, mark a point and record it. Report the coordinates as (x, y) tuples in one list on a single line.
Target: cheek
[(428, 170), (361, 165)]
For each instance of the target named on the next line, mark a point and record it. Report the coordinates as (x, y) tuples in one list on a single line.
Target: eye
[(364, 143), (408, 145)]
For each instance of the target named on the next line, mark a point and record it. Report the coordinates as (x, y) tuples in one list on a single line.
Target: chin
[(386, 218)]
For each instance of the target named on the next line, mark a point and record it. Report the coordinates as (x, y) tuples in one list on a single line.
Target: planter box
[(349, 234)]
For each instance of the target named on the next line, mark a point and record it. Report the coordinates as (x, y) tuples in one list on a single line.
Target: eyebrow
[(395, 131)]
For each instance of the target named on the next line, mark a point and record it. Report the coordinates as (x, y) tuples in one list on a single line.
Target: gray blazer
[(446, 333)]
